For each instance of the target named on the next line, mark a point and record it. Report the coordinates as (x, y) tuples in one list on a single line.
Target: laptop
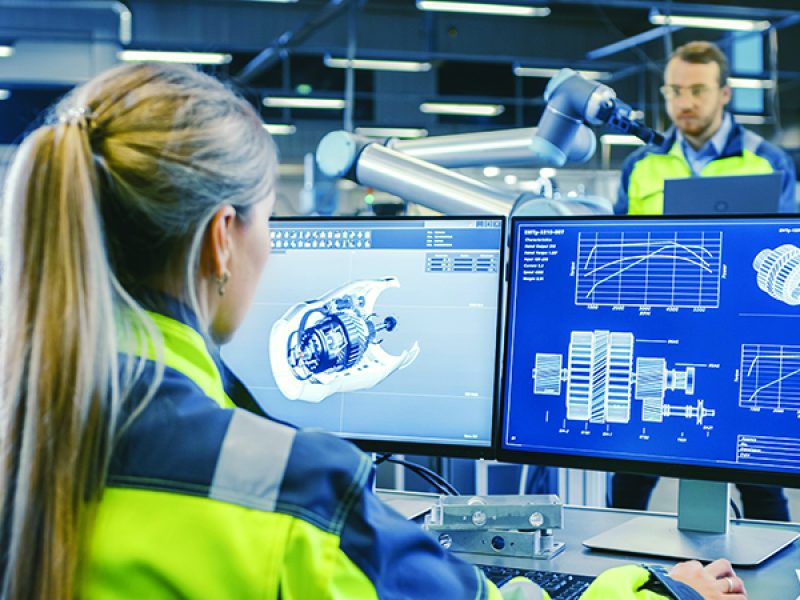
[(736, 194)]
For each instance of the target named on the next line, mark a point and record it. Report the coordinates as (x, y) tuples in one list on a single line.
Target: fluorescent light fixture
[(290, 102), (6, 51), (657, 18), (346, 185), (291, 169), (5, 94), (613, 139), (751, 84), (407, 66), (191, 58), (750, 119), (547, 172), (280, 129), (387, 132), (452, 108), (512, 10), (491, 171), (547, 72), (510, 179)]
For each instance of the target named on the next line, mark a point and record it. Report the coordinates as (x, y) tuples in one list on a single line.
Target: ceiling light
[(5, 94), (510, 179), (513, 10), (547, 172), (752, 84), (389, 132), (346, 185), (6, 51), (750, 119), (286, 102), (408, 66), (547, 72), (476, 110), (657, 18), (191, 58), (280, 129), (529, 185), (614, 139), (291, 169), (491, 171)]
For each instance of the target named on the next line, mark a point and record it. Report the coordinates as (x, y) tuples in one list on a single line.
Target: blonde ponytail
[(56, 309), (130, 171)]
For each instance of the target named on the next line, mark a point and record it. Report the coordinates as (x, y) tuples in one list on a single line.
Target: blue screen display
[(379, 330), (670, 340)]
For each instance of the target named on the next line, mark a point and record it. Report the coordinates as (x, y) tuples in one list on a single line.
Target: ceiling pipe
[(123, 12), (630, 42), (710, 10), (272, 53)]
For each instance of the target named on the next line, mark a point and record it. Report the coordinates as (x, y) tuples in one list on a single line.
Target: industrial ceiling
[(280, 49)]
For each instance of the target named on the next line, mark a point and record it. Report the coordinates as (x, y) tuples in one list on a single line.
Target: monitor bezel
[(683, 471), (440, 449)]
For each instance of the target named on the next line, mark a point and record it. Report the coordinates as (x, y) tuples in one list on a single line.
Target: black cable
[(381, 458), (429, 475), (432, 477), (736, 512), (426, 477)]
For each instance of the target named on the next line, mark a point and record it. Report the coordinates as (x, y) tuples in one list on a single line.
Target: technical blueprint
[(669, 340)]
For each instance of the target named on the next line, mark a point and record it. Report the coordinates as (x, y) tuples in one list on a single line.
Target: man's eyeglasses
[(670, 92)]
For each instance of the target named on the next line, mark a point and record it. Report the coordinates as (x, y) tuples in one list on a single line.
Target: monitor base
[(743, 545)]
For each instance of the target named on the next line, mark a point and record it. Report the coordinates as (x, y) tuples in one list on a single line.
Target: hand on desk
[(715, 581)]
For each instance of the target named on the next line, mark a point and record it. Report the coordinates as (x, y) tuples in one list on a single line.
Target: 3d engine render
[(331, 344)]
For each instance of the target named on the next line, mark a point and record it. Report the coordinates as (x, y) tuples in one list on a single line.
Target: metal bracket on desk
[(519, 526)]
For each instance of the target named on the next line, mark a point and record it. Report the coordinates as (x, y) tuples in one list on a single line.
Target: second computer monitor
[(655, 345), (383, 331)]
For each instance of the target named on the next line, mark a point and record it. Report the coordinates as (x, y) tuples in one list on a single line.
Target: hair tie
[(77, 115)]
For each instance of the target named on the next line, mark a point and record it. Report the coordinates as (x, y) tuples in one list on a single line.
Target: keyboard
[(560, 586)]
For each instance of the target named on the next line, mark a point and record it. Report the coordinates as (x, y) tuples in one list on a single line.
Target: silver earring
[(222, 280)]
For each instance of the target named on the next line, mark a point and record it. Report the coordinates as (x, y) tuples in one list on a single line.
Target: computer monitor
[(384, 331), (657, 345)]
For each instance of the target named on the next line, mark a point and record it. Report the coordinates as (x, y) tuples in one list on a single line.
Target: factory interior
[(401, 125)]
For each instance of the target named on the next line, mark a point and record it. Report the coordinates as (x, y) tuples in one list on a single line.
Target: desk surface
[(775, 578)]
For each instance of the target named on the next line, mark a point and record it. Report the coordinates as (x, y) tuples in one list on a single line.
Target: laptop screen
[(737, 194)]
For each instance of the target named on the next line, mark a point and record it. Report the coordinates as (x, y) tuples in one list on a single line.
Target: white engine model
[(329, 345)]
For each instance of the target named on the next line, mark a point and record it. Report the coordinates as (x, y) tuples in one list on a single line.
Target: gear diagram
[(600, 376), (333, 344), (779, 273)]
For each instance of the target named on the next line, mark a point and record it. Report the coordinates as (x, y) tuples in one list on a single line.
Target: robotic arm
[(415, 169), (572, 102)]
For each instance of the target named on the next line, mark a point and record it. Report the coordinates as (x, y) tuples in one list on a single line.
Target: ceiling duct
[(61, 42)]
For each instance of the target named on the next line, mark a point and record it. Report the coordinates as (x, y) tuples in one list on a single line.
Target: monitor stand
[(702, 531)]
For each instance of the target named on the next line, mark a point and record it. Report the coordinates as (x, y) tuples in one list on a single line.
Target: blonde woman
[(134, 230)]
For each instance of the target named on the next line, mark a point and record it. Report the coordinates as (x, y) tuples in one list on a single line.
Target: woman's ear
[(218, 242)]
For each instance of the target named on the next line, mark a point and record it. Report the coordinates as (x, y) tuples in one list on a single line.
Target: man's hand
[(715, 581)]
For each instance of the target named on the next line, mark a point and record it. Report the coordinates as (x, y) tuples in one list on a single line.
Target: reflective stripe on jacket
[(641, 189)]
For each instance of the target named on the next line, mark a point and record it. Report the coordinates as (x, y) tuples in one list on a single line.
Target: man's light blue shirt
[(711, 150)]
